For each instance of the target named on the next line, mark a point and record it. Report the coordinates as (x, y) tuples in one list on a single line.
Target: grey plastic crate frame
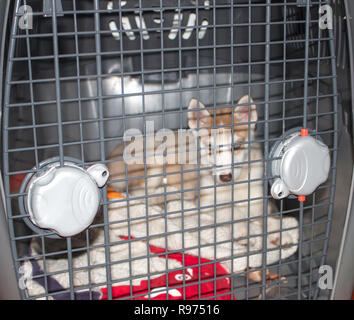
[(37, 125)]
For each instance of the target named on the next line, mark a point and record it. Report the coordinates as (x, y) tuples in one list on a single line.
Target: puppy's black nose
[(226, 177)]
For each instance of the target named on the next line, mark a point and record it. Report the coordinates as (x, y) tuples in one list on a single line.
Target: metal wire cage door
[(82, 74)]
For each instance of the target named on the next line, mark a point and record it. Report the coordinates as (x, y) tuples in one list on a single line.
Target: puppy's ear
[(245, 110), (197, 113)]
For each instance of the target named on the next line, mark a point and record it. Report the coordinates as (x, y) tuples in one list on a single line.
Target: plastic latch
[(66, 198), (48, 8), (301, 164)]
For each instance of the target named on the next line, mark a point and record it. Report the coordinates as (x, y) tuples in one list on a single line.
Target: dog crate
[(78, 75)]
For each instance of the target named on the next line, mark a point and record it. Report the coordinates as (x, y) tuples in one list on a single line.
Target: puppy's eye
[(237, 146)]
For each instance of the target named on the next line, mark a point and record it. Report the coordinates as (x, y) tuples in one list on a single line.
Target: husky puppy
[(231, 173), (224, 161), (175, 176)]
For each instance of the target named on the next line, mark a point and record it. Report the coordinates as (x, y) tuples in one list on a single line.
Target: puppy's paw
[(257, 276)]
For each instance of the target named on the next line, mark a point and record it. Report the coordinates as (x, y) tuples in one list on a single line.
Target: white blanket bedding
[(138, 260)]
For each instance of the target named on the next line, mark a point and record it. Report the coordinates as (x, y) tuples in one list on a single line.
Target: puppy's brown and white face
[(222, 148)]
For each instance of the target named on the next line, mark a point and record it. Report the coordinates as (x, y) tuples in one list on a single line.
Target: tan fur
[(148, 179), (153, 180)]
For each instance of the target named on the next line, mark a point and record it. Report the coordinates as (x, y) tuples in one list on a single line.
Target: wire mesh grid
[(87, 72)]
